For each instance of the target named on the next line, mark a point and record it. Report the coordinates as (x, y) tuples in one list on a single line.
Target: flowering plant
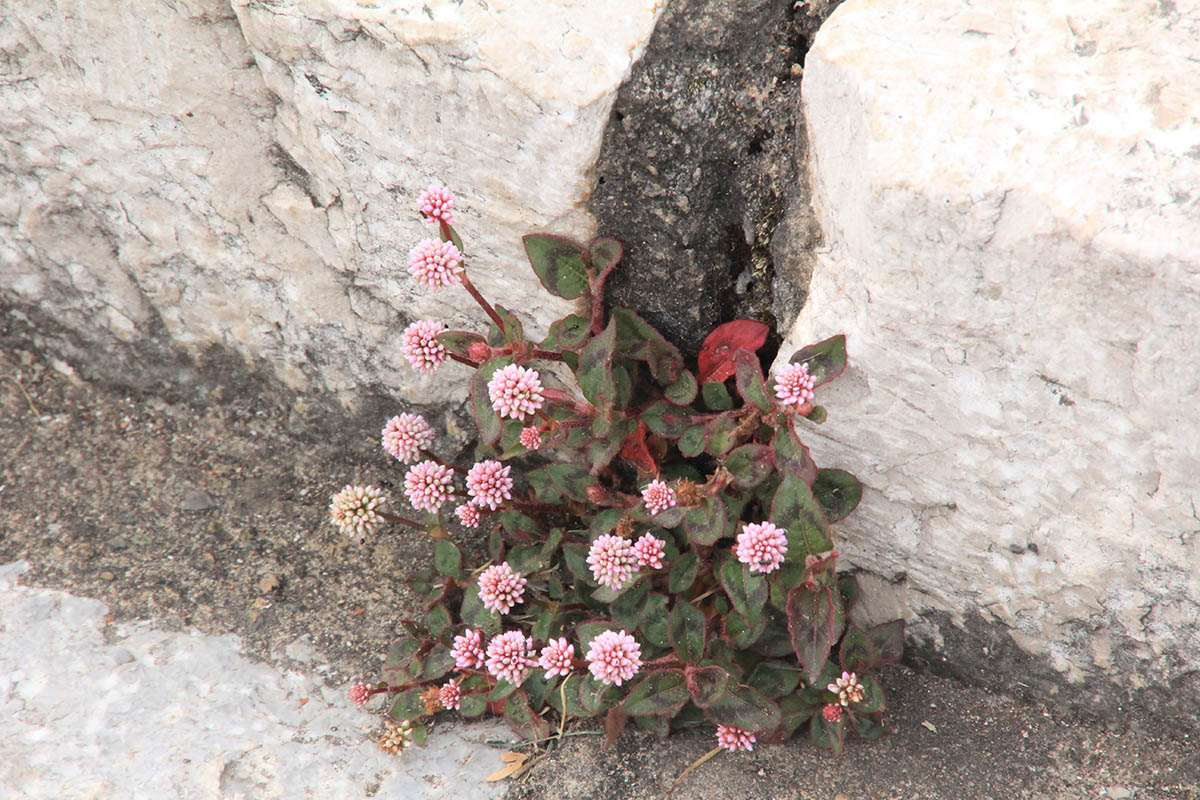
[(667, 558)]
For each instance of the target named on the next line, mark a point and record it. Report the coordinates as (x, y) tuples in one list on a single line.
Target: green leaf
[(818, 415), (742, 632), (683, 391), (888, 639), (775, 641), (514, 332), (522, 720), (848, 589), (660, 692), (605, 521), (447, 559), (750, 464), (774, 678), (438, 662), (716, 396), (601, 451), (796, 710), (705, 523), (691, 443), (867, 727), (750, 380), (597, 697), (474, 615), (812, 625), (402, 664), (874, 699), (473, 704), (521, 525), (544, 487), (826, 359), (486, 418), (558, 263), (653, 621), (544, 626), (857, 653), (567, 333), (746, 708), (407, 705), (626, 608), (604, 253), (460, 341), (640, 340), (745, 589), (501, 690), (437, 620), (572, 479), (595, 369), (659, 725), (837, 491), (687, 630), (791, 456), (720, 435), (795, 510), (527, 559), (828, 735), (575, 556), (568, 690), (666, 419), (709, 684), (683, 571)]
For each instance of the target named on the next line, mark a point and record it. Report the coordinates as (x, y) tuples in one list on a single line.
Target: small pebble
[(107, 576)]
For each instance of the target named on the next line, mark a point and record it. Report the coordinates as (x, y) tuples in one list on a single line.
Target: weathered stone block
[(1009, 198)]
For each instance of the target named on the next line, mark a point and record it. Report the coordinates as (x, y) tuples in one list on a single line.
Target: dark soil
[(214, 517)]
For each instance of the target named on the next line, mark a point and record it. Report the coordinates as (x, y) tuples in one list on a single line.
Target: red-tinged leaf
[(812, 624), (826, 359), (614, 723), (634, 450), (558, 263), (716, 354)]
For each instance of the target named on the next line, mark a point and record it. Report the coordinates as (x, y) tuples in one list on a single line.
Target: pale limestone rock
[(1011, 201), (168, 187)]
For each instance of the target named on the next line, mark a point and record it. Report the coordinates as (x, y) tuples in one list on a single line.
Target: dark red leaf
[(634, 450), (716, 354)]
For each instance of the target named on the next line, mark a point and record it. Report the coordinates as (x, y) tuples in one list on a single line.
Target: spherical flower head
[(793, 385), (832, 712), (530, 438), (761, 546), (359, 694), (435, 264), (436, 202), (614, 657), (509, 657), (396, 737), (467, 650), (489, 484), (421, 346), (734, 739), (450, 695), (353, 510), (515, 391), (556, 657), (406, 435), (479, 352), (649, 551), (428, 485), (612, 560), (468, 515), (658, 497), (848, 689), (500, 588)]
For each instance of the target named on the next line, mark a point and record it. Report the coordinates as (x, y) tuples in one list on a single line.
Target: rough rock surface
[(136, 711), (699, 170), (1009, 196), (193, 180)]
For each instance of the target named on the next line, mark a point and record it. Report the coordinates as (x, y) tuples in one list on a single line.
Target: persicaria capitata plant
[(658, 542)]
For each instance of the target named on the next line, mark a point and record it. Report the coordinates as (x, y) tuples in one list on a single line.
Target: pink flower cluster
[(428, 485), (793, 385), (467, 650), (848, 689), (832, 712), (468, 515), (614, 657), (450, 695), (489, 484), (360, 693), (762, 546), (421, 346), (500, 588), (515, 392), (353, 510), (658, 497), (509, 657), (406, 435), (556, 657), (530, 438), (435, 264), (436, 202), (649, 551), (734, 739), (612, 559)]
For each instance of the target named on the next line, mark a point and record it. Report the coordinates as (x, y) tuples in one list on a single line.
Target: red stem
[(484, 304)]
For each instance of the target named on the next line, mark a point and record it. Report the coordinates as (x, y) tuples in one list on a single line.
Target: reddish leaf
[(716, 354), (634, 450)]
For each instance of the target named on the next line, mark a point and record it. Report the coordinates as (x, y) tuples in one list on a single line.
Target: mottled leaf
[(558, 263)]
